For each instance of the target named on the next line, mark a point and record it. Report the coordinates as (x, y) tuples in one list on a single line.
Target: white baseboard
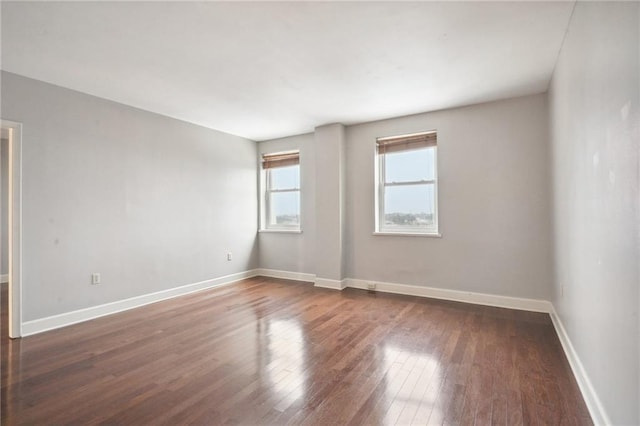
[(332, 284), (4, 278), (594, 405), (69, 318), (274, 273), (523, 304)]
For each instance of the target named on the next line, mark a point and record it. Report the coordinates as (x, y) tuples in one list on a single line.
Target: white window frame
[(266, 222), (380, 228)]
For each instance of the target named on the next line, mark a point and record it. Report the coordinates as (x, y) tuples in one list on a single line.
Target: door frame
[(14, 209)]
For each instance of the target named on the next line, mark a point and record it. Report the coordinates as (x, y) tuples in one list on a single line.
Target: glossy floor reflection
[(268, 351)]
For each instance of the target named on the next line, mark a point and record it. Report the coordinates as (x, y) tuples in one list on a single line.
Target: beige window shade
[(282, 159), (406, 142)]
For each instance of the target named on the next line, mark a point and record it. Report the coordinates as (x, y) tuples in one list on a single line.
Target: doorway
[(11, 205)]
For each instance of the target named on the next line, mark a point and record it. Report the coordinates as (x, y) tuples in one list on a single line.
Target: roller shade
[(281, 159), (406, 142)]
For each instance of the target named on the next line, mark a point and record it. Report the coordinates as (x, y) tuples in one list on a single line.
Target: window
[(281, 183), (407, 189)]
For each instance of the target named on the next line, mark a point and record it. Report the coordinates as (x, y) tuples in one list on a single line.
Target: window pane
[(285, 177), (410, 206), (285, 208), (410, 166)]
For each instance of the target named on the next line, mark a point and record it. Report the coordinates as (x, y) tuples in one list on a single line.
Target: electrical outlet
[(229, 256), (371, 286), (95, 278)]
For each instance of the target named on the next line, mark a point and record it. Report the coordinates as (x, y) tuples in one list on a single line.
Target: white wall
[(288, 251), (595, 133), (150, 202), (493, 202)]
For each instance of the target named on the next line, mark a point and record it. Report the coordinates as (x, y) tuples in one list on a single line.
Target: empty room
[(320, 213)]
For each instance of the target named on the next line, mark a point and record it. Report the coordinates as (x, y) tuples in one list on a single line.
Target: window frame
[(266, 214), (381, 185)]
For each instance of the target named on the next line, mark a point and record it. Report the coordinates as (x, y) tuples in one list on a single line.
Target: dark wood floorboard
[(269, 351)]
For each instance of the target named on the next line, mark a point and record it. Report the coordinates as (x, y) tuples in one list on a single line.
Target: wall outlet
[(371, 286), (95, 278), (229, 256)]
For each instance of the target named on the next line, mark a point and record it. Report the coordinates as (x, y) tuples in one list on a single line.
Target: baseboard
[(74, 317), (86, 314), (594, 405), (274, 273), (332, 284), (522, 304), (301, 276), (4, 278)]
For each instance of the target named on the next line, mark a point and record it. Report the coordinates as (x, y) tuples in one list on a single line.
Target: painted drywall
[(293, 252), (493, 202), (330, 200), (150, 202), (4, 204), (595, 137)]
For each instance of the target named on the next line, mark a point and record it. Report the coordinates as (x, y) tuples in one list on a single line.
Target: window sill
[(409, 234), (280, 231)]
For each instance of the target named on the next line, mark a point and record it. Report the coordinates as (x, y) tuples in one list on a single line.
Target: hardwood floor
[(269, 351)]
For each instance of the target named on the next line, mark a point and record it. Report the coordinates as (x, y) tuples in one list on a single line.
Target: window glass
[(285, 208), (285, 177), (409, 206), (410, 166)]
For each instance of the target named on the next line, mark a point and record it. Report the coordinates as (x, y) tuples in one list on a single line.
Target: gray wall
[(494, 204), (294, 252), (150, 202), (595, 133), (330, 202)]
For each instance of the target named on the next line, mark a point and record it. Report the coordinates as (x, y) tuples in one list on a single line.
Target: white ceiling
[(270, 69)]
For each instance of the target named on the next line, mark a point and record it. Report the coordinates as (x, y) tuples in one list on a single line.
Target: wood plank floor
[(268, 351)]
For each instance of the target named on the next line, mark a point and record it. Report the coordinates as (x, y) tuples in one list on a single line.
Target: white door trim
[(14, 210)]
